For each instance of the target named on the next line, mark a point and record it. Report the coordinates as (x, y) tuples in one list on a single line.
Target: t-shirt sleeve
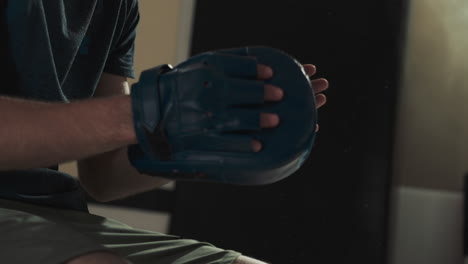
[(120, 60)]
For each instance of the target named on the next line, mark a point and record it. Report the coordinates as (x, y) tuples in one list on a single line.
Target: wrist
[(125, 127)]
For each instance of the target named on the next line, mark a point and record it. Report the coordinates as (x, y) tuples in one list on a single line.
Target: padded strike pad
[(284, 148)]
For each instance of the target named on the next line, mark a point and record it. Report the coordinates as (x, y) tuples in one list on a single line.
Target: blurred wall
[(431, 155), (432, 130)]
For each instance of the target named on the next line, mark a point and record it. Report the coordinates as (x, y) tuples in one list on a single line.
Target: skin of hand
[(275, 94)]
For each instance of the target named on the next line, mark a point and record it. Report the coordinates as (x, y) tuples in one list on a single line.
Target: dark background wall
[(335, 208)]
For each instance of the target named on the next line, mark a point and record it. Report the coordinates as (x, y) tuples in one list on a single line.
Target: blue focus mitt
[(197, 121)]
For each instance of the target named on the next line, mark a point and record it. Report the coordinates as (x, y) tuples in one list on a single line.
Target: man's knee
[(247, 260), (98, 258)]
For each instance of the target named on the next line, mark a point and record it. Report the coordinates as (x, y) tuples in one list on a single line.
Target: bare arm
[(38, 134), (109, 176)]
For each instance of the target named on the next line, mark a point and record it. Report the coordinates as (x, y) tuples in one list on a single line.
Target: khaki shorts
[(45, 235)]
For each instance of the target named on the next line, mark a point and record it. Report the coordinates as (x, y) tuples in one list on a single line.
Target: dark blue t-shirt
[(56, 51)]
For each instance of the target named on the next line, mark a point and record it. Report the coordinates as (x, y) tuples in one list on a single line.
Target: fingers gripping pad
[(199, 119)]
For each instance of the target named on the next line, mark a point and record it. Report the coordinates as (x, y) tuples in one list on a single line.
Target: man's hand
[(275, 94)]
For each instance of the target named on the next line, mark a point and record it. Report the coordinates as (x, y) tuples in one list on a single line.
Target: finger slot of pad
[(219, 143), (240, 92), (237, 120), (234, 66)]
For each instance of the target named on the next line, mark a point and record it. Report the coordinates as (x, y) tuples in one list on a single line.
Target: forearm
[(117, 179), (38, 134)]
